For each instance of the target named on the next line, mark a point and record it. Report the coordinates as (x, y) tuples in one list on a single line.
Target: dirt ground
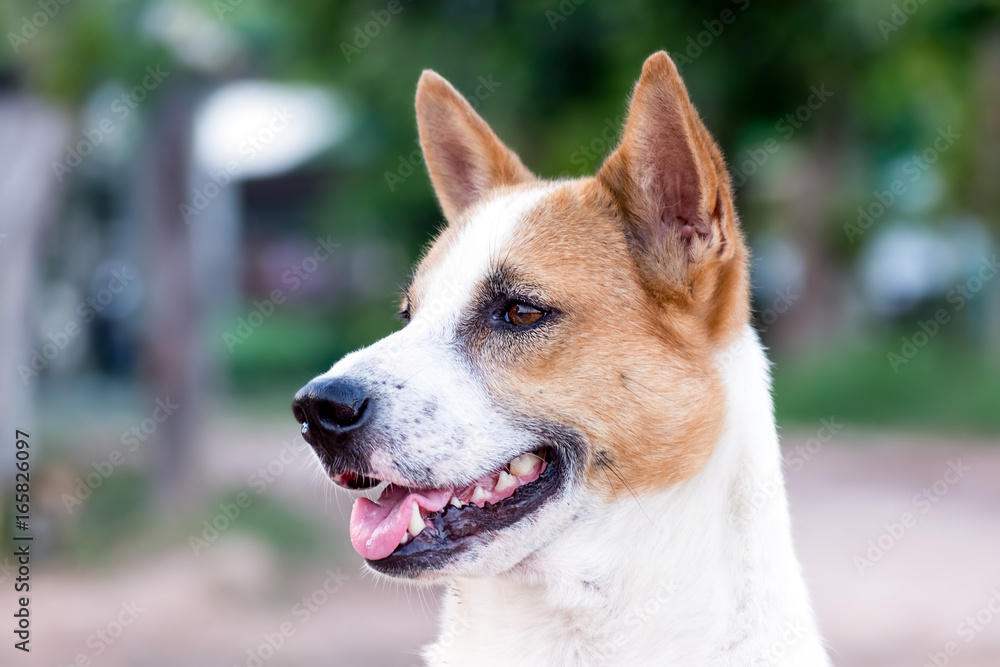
[(236, 604)]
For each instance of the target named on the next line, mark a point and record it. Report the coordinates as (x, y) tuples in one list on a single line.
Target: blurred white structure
[(906, 264), (266, 128), (245, 130)]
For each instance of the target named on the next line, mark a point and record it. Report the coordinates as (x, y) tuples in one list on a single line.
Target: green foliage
[(941, 388), (115, 512), (559, 73), (289, 347), (286, 529)]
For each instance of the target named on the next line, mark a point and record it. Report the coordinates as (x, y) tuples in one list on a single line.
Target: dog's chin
[(470, 535)]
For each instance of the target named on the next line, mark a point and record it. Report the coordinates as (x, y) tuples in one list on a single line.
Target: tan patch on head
[(636, 377), (644, 264)]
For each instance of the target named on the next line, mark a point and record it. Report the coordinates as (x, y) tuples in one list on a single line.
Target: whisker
[(611, 485), (415, 374), (614, 469), (625, 377)]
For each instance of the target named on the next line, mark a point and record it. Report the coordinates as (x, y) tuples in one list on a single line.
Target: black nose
[(334, 406)]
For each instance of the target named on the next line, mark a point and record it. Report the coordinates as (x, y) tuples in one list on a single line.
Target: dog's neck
[(701, 574)]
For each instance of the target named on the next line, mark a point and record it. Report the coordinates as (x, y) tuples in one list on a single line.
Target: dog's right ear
[(464, 157)]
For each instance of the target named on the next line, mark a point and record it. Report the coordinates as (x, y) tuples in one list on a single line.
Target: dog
[(575, 423)]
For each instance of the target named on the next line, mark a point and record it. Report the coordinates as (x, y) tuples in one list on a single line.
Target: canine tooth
[(416, 521), (478, 494), (505, 481), (405, 538), (456, 502), (523, 464)]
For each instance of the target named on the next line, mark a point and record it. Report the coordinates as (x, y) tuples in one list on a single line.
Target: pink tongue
[(377, 527)]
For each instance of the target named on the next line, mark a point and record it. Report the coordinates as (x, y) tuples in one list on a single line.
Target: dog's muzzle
[(333, 413)]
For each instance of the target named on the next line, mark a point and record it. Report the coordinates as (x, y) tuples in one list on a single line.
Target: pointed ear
[(465, 159), (673, 190)]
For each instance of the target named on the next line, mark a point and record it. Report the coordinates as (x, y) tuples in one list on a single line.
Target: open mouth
[(407, 530)]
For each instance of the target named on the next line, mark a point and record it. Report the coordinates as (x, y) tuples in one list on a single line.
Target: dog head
[(559, 341)]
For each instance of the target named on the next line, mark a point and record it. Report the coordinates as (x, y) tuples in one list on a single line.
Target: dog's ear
[(464, 157), (671, 185)]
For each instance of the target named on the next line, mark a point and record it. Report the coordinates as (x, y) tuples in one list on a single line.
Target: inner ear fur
[(670, 183)]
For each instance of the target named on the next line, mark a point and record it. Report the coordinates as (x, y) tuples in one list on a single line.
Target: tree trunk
[(172, 351), (32, 136)]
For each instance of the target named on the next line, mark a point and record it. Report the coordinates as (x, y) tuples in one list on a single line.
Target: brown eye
[(522, 314)]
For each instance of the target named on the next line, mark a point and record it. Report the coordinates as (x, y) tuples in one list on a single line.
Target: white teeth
[(416, 521), (405, 539), (524, 464), (505, 481), (479, 494), (456, 502)]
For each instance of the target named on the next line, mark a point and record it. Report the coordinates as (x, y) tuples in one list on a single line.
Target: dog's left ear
[(464, 157), (672, 188)]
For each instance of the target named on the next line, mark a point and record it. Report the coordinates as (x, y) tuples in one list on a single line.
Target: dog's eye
[(521, 314)]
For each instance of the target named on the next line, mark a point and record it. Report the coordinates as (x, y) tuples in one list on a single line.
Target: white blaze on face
[(480, 245), (431, 415)]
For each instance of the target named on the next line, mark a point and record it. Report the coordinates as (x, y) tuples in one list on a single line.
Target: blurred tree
[(552, 76)]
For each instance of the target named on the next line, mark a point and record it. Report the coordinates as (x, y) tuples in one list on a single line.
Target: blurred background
[(203, 204)]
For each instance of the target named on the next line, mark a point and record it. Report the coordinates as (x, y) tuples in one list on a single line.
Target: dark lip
[(454, 530), (354, 480)]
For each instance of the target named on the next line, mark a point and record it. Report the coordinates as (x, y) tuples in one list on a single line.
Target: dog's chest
[(579, 623)]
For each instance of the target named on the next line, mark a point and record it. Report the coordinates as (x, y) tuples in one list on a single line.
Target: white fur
[(434, 415), (480, 245), (702, 574), (419, 370)]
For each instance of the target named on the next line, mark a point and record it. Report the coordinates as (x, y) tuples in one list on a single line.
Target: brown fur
[(644, 262)]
